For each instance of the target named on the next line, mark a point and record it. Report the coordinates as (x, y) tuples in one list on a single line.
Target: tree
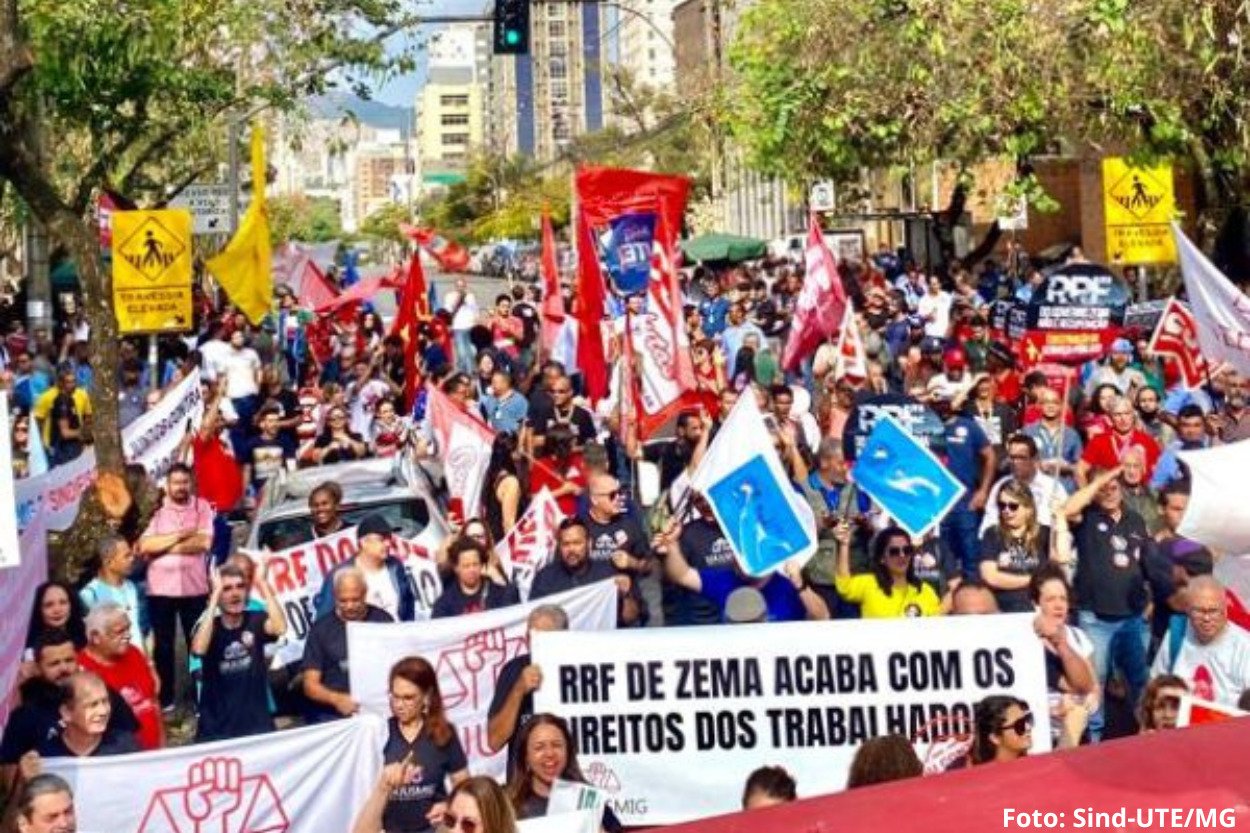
[(304, 218), (135, 94), (383, 224)]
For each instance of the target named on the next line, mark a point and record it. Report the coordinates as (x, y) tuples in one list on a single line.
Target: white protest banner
[(17, 597), (528, 547), (573, 797), (584, 821), (1215, 515), (10, 555), (671, 721), (154, 437), (297, 574), (276, 783), (468, 653), (56, 493)]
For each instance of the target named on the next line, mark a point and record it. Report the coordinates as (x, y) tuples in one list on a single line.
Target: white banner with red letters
[(1176, 336), (297, 574), (670, 721), (316, 778), (468, 653), (17, 597), (529, 546)]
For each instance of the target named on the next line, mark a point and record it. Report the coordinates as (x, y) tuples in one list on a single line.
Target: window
[(558, 68), (555, 30), (455, 138), (560, 91), (454, 100), (554, 10), (453, 119), (560, 131)]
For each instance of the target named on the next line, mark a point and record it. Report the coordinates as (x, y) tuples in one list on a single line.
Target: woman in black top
[(57, 607), (337, 443), (505, 495), (546, 753), (420, 735), (477, 585)]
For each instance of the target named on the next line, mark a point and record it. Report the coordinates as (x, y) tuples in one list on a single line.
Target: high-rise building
[(452, 109), (543, 99), (645, 38)]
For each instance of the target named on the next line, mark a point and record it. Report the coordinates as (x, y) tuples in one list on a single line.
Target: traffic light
[(512, 27)]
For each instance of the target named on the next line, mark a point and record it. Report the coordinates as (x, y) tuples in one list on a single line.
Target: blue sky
[(402, 91)]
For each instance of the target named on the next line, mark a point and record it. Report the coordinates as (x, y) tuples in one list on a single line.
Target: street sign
[(1139, 205), (209, 204), (152, 271), (1013, 213), (821, 197)]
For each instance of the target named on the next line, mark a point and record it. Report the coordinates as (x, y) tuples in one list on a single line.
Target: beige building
[(380, 172), (452, 109), (645, 42)]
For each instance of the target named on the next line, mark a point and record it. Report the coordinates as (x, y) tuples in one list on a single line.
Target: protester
[(46, 805), (1161, 703), (234, 697), (112, 583), (479, 585), (1069, 656), (124, 668), (883, 759), (385, 578), (1109, 449), (891, 590), (1024, 469), (326, 681), (64, 416), (85, 729), (574, 568), (1004, 727), (972, 598), (1212, 656), (512, 705), (504, 498), (1013, 550), (546, 753), (768, 786), (56, 607)]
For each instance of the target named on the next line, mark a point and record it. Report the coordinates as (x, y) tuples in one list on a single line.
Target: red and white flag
[(529, 546), (1220, 310), (464, 444), (821, 303), (852, 360), (1176, 336)]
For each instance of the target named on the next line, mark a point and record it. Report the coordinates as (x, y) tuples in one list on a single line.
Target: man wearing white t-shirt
[(1214, 656), (240, 367), (934, 307), (462, 304), (213, 352)]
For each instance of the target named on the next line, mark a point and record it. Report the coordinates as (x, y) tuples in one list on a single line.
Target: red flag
[(451, 256), (852, 360), (589, 314), (414, 307), (1176, 336), (821, 303), (464, 445), (553, 302)]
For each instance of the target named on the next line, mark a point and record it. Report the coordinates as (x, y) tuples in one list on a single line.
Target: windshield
[(408, 517)]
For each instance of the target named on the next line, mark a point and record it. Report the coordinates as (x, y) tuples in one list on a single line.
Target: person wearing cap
[(1127, 380), (954, 382), (386, 581), (970, 457)]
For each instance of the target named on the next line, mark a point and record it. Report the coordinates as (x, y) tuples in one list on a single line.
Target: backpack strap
[(1176, 637)]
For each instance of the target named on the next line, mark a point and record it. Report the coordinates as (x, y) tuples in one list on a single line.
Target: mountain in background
[(373, 113)]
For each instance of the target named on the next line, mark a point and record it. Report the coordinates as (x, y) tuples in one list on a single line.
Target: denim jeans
[(466, 356), (1117, 644), (961, 532)]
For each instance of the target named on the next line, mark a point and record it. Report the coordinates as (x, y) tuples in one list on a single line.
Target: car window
[(408, 518)]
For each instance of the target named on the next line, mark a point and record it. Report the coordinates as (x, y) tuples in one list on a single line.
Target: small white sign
[(209, 204), (821, 197)]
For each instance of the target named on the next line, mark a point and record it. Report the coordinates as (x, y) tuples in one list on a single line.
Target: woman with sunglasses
[(1069, 655), (1013, 549), (1004, 730), (1161, 703), (419, 736), (892, 589), (545, 752), (337, 443)]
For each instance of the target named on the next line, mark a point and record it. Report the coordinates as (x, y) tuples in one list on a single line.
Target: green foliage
[(383, 224), (499, 198), (302, 218)]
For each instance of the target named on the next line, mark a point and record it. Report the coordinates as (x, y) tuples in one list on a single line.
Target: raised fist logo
[(467, 673), (217, 799)]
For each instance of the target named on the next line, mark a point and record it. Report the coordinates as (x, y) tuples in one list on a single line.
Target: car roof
[(364, 481)]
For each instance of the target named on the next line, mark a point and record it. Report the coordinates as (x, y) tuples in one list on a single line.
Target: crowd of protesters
[(1071, 512)]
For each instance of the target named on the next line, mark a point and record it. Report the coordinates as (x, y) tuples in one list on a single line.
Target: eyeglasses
[(614, 494), (1008, 506), (1205, 612), (464, 825), (1021, 726), (907, 550)]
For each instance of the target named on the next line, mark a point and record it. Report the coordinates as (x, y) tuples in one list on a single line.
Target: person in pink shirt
[(176, 546)]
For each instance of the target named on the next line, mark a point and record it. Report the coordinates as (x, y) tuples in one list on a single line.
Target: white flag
[(1220, 308), (764, 519), (276, 783), (529, 546), (464, 446), (1216, 515)]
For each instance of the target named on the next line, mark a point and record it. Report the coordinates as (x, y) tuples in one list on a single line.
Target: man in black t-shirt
[(617, 537), (270, 451), (574, 568), (326, 680), (85, 731), (512, 704), (563, 411), (704, 546), (234, 696)]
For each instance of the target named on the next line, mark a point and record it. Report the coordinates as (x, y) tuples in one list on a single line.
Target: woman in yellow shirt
[(891, 590)]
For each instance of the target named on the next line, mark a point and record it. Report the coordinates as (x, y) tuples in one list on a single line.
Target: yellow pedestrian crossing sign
[(152, 271), (1138, 205)]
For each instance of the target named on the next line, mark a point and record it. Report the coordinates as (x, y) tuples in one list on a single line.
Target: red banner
[(1036, 347), (451, 256), (1176, 336)]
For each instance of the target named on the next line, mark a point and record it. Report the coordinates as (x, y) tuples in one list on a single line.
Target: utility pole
[(232, 141)]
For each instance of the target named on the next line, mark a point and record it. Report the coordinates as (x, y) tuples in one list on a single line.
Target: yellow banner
[(245, 267), (1138, 206), (152, 271)]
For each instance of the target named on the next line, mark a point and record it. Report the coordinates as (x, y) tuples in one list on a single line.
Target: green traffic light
[(512, 37)]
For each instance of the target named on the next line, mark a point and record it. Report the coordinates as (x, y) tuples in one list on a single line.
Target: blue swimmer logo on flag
[(626, 245), (905, 478)]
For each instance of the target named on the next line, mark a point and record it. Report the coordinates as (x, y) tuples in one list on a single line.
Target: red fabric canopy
[(1205, 767)]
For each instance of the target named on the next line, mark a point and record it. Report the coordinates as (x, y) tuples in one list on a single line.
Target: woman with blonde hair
[(1013, 549)]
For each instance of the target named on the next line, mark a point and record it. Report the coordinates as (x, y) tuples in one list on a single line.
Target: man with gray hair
[(1203, 649), (46, 805), (124, 668), (513, 702), (85, 733), (326, 680)]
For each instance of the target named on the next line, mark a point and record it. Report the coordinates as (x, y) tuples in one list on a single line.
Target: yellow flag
[(245, 267)]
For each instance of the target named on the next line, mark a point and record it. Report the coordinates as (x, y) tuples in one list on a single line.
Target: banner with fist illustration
[(468, 653), (260, 784)]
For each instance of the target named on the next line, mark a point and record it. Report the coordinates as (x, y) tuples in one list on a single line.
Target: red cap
[(955, 358)]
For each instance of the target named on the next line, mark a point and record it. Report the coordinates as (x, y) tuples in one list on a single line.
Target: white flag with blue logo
[(766, 521), (905, 478)]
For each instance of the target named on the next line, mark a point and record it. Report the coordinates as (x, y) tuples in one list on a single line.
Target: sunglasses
[(1021, 726), (1008, 506), (464, 825), (614, 494), (907, 550)]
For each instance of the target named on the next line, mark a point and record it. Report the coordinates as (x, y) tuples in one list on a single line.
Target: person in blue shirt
[(28, 383), (734, 336), (715, 309), (504, 408), (970, 457), (1191, 435)]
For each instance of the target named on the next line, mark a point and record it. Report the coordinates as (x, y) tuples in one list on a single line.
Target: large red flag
[(414, 307), (451, 256), (821, 303), (589, 313), (1176, 336), (553, 302), (464, 447)]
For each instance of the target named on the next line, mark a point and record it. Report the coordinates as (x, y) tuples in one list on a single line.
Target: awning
[(728, 248)]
